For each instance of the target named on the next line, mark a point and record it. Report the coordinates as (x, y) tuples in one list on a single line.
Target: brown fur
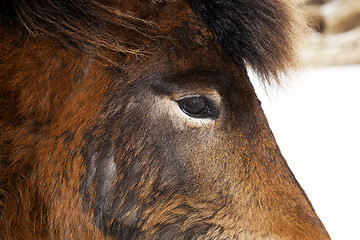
[(267, 44), (91, 147)]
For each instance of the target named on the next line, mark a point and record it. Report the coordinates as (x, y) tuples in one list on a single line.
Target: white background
[(315, 118)]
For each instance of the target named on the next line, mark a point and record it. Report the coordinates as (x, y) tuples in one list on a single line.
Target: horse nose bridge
[(263, 190)]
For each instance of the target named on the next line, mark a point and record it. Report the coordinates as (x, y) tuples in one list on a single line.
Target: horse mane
[(87, 25), (261, 33)]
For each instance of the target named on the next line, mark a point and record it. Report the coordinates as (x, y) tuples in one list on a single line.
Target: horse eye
[(197, 107)]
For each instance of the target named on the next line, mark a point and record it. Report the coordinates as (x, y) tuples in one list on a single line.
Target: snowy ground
[(316, 122)]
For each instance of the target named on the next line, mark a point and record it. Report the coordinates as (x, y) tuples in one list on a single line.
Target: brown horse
[(135, 119)]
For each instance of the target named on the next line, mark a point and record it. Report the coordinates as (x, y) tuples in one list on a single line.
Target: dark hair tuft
[(259, 32)]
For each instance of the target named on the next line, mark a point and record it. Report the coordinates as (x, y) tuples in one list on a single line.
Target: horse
[(136, 119)]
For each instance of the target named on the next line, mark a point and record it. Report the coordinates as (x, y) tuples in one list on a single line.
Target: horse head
[(137, 120)]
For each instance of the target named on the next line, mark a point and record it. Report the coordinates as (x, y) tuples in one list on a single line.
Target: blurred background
[(334, 38), (315, 115)]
